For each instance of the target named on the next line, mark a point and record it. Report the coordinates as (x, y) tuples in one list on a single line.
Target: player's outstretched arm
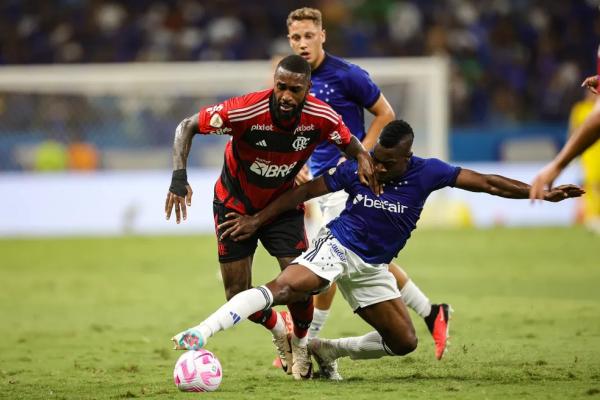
[(587, 134), (241, 227), (501, 186), (180, 192)]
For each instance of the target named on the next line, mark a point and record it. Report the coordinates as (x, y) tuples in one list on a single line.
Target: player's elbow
[(188, 126), (391, 114), (386, 115), (190, 123)]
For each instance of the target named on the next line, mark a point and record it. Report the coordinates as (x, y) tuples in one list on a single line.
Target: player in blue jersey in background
[(355, 249), (349, 90)]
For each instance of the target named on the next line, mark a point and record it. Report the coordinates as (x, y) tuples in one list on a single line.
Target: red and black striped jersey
[(262, 158)]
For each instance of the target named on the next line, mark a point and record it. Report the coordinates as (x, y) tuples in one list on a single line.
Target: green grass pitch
[(91, 319)]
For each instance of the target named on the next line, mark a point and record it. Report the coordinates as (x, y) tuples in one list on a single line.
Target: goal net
[(129, 111)]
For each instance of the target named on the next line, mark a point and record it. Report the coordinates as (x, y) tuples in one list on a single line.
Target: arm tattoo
[(182, 144)]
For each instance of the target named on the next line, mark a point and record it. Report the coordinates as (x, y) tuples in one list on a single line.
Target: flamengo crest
[(300, 143)]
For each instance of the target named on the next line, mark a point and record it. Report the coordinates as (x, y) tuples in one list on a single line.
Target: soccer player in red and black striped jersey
[(273, 132)]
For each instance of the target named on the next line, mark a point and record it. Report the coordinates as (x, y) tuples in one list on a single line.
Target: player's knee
[(403, 344), (283, 292)]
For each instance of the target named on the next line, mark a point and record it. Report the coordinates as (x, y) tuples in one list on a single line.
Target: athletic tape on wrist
[(179, 182)]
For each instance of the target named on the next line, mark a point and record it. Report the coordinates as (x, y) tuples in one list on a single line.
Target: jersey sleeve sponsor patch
[(335, 137), (212, 120), (216, 121), (339, 135)]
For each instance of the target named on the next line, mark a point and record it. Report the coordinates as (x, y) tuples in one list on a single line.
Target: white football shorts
[(332, 205), (362, 284)]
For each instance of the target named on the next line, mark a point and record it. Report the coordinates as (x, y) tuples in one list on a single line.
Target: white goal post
[(417, 88)]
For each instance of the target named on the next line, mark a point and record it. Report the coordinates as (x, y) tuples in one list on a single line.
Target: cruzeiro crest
[(300, 143)]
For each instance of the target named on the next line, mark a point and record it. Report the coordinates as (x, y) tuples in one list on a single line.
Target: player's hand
[(180, 203), (563, 192), (238, 227), (303, 175), (543, 181), (366, 173), (591, 83)]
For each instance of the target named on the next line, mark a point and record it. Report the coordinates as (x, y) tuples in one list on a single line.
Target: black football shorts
[(282, 237)]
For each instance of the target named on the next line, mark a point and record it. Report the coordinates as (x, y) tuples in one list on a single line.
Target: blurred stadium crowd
[(512, 61)]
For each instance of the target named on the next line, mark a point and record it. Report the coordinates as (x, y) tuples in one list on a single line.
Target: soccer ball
[(197, 371)]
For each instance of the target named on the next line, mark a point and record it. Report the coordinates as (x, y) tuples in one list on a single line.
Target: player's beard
[(286, 117)]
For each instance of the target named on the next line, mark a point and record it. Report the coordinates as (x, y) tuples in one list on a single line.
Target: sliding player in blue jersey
[(355, 249), (349, 90)]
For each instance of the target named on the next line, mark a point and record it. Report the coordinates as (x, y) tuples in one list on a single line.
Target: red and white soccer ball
[(197, 371)]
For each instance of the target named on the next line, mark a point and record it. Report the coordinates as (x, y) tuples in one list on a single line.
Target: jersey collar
[(322, 65)]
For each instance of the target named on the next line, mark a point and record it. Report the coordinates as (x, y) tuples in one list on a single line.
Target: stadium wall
[(120, 203)]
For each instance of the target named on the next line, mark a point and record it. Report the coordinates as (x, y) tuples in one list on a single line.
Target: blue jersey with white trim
[(377, 228), (348, 89)]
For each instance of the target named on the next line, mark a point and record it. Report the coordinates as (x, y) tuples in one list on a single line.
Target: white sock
[(369, 346), (316, 326), (299, 342), (414, 298), (240, 307)]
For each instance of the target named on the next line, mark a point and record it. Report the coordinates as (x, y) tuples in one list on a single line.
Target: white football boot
[(284, 350), (325, 356), (301, 365)]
